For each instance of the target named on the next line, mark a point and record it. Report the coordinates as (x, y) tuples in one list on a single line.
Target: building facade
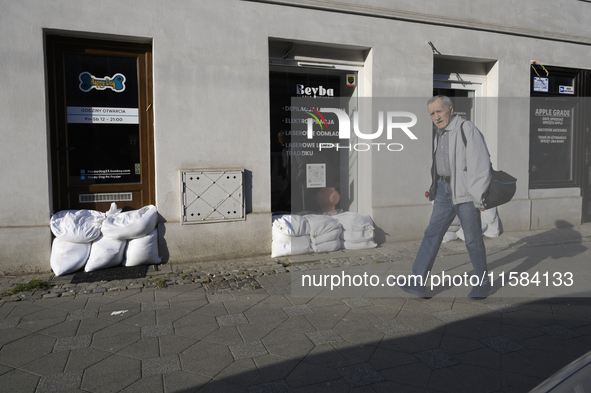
[(152, 102)]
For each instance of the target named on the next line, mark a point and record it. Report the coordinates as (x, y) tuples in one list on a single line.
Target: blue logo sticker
[(89, 82)]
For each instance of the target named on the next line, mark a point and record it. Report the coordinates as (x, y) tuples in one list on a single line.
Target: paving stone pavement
[(234, 326)]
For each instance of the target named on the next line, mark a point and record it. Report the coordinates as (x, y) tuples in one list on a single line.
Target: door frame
[(585, 162), (56, 46)]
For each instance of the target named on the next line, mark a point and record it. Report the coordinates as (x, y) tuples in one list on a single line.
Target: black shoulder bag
[(502, 185)]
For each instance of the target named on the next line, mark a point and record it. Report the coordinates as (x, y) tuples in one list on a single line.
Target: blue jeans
[(444, 212)]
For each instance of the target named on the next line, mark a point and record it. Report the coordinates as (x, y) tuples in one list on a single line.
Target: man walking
[(460, 177)]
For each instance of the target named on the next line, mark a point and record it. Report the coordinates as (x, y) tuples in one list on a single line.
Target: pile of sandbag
[(291, 235), (490, 225), (325, 233), (358, 230), (296, 234), (93, 240), (138, 228), (490, 218)]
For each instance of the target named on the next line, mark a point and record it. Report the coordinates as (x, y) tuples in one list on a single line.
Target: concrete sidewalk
[(249, 334)]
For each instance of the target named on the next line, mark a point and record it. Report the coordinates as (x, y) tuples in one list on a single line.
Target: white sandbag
[(359, 245), (112, 210), (453, 228), (358, 236), (291, 225), (143, 250), (279, 249), (455, 225), (449, 236), (354, 221), (491, 218), (68, 257), (294, 241), (132, 224), (104, 253), (283, 244), (330, 246), (329, 236), (321, 224), (77, 226)]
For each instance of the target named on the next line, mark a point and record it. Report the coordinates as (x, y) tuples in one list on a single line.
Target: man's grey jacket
[(469, 163)]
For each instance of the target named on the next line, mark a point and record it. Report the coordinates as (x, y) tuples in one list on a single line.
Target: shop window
[(555, 127), (322, 74)]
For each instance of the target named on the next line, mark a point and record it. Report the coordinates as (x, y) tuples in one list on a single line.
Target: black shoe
[(414, 290), (480, 292)]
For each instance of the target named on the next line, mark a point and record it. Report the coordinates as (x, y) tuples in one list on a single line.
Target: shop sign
[(99, 115), (553, 125), (541, 84), (351, 80), (314, 91), (551, 140), (102, 174), (566, 89)]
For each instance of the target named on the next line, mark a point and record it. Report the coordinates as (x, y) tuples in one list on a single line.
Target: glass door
[(101, 124), (466, 93)]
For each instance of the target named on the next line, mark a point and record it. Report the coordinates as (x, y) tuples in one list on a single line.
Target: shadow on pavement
[(510, 350), (529, 252)]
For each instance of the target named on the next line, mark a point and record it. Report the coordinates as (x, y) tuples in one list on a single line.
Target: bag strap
[(466, 143)]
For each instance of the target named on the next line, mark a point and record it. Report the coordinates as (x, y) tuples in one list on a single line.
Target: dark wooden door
[(100, 96)]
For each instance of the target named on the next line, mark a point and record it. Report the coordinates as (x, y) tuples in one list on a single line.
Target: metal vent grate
[(112, 197), (212, 195)]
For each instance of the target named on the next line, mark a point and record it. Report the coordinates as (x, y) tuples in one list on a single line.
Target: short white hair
[(444, 99)]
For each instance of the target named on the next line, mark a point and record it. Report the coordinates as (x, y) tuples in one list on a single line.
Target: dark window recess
[(556, 127)]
